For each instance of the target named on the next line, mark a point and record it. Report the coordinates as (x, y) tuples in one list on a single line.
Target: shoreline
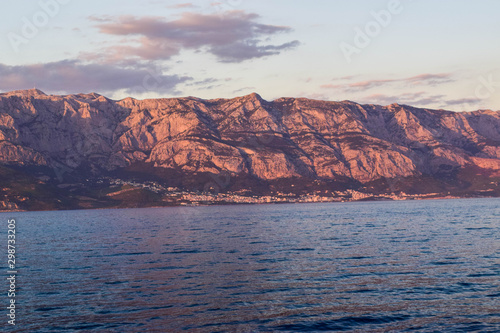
[(219, 203)]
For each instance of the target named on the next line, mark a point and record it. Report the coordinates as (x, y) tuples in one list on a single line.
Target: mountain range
[(89, 151)]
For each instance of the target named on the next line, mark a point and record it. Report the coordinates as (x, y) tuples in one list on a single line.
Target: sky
[(441, 54)]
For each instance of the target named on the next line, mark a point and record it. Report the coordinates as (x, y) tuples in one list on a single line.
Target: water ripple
[(421, 266)]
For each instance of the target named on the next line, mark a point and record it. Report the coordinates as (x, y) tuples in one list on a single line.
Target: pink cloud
[(232, 36), (422, 79), (182, 5), (73, 76)]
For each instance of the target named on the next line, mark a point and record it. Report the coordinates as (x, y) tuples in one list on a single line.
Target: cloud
[(423, 99), (467, 104), (232, 36), (182, 5), (360, 85), (422, 79), (364, 85), (348, 77), (246, 50), (332, 86), (73, 76), (432, 79), (203, 82), (414, 99), (206, 84), (463, 101), (244, 89)]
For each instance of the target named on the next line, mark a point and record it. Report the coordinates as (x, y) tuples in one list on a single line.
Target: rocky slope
[(88, 135)]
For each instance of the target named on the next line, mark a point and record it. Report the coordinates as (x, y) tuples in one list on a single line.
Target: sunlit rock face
[(247, 135)]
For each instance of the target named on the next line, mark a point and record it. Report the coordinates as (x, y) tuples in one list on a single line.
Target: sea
[(404, 266)]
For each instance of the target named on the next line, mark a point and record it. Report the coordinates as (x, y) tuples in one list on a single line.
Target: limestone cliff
[(267, 140)]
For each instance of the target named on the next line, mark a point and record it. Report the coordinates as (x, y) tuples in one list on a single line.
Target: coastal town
[(112, 192), (176, 196)]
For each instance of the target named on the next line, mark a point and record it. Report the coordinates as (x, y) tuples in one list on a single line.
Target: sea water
[(409, 266)]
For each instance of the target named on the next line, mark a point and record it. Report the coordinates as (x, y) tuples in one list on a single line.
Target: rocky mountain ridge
[(247, 137)]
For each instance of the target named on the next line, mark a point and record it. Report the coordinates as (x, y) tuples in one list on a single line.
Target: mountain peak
[(254, 95), (26, 92)]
